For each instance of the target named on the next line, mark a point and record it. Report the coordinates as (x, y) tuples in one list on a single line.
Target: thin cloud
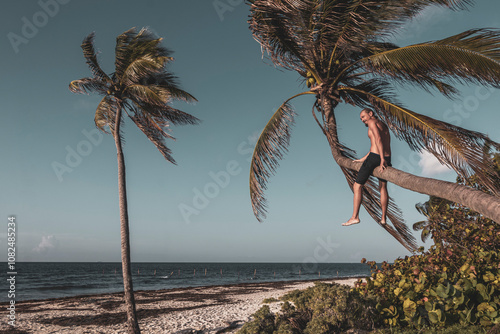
[(48, 243), (430, 165), (425, 21)]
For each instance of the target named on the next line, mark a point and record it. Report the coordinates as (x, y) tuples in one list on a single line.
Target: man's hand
[(383, 163)]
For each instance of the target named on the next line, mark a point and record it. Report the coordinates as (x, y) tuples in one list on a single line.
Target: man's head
[(365, 115)]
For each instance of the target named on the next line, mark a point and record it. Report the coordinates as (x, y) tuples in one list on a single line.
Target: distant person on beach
[(379, 155)]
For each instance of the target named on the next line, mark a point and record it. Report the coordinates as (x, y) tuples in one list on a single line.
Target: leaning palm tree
[(341, 49), (141, 87)]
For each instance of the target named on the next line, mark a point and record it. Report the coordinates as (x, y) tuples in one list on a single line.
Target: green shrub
[(263, 322), (457, 281), (323, 308), (455, 329), (270, 300)]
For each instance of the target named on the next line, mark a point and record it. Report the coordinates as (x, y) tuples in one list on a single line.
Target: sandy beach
[(213, 309)]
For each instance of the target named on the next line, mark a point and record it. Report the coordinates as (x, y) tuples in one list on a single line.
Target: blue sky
[(73, 215)]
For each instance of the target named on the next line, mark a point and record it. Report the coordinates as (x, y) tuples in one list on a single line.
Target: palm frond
[(122, 50), (385, 16), (88, 85), (155, 134), (91, 58), (143, 67), (283, 33), (170, 82), (470, 57), (460, 149), (132, 45), (165, 114), (269, 149), (306, 34), (105, 114), (148, 94)]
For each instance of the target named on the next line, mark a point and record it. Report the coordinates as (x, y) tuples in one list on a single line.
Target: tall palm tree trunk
[(132, 322), (487, 205)]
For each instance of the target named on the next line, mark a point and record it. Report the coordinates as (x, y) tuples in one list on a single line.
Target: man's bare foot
[(383, 223), (351, 221)]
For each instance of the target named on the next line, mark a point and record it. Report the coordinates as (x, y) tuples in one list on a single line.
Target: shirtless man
[(379, 155)]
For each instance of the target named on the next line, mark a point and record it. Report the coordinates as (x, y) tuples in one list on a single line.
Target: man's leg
[(358, 197), (384, 199)]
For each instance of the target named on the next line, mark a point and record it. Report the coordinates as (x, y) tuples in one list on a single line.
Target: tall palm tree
[(340, 48), (142, 87)]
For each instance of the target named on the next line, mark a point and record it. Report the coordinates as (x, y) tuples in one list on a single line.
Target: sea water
[(44, 280)]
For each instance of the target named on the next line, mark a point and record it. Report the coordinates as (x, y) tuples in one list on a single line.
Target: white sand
[(191, 310)]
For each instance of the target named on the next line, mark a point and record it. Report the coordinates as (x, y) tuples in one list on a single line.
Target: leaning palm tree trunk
[(487, 205), (132, 322)]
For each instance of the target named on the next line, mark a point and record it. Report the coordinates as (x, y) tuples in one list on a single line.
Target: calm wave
[(43, 280)]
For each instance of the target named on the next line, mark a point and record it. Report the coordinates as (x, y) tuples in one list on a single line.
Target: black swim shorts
[(371, 162)]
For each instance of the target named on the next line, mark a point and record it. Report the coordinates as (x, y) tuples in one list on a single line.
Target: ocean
[(44, 280)]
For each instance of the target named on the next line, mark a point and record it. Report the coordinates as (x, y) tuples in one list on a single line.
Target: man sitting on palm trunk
[(379, 155)]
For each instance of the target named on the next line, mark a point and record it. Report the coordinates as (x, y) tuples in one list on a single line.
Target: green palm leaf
[(168, 81), (149, 94), (155, 134), (270, 24), (132, 45), (88, 85), (91, 58), (470, 57), (143, 67), (165, 114), (105, 114), (305, 34), (269, 149)]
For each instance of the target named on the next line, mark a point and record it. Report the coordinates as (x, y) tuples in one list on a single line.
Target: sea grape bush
[(323, 308), (434, 289), (457, 280)]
